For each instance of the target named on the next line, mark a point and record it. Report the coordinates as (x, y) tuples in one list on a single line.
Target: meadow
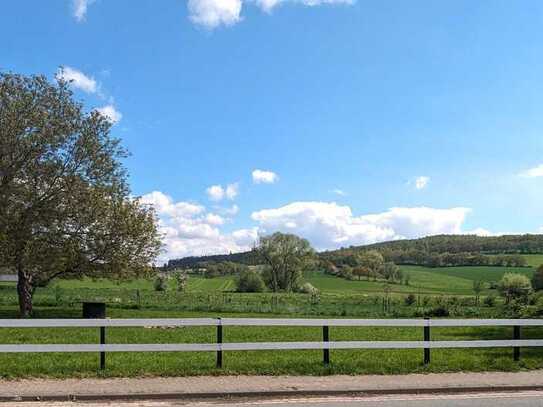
[(433, 287), (254, 362)]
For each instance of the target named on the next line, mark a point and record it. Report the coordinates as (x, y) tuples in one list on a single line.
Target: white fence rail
[(326, 345)]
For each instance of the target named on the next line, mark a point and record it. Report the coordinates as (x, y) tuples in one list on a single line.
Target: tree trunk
[(25, 292)]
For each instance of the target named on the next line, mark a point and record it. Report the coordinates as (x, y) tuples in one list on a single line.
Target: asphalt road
[(519, 399)]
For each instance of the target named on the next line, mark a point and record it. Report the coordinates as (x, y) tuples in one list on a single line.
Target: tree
[(537, 279), (477, 288), (250, 281), (65, 205), (286, 256), (361, 272), (373, 260), (391, 272), (513, 285), (182, 279)]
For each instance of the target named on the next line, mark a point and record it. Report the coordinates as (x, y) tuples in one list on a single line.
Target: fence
[(219, 347)]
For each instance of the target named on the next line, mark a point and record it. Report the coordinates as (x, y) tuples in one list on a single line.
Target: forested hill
[(249, 258), (507, 244), (399, 249)]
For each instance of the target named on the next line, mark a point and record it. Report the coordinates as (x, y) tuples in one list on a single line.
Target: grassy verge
[(265, 362)]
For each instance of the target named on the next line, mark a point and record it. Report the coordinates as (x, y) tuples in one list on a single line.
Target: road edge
[(268, 394)]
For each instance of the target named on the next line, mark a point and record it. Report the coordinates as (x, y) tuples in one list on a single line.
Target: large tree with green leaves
[(286, 256), (65, 204)]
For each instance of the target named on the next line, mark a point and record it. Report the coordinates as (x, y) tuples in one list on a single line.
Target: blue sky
[(379, 119)]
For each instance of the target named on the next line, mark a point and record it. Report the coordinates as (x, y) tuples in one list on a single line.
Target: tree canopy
[(286, 256), (65, 204)]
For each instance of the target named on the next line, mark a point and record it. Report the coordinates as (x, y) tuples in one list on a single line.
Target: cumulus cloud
[(78, 79), (215, 192), (188, 229), (269, 5), (111, 113), (80, 8), (533, 172), (213, 13), (232, 191), (421, 182), (218, 192), (329, 225), (264, 177)]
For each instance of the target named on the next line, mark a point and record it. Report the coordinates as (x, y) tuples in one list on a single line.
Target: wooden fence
[(220, 323)]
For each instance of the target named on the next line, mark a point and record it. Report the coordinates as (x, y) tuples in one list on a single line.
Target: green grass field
[(534, 260), (445, 280), (216, 297), (265, 362)]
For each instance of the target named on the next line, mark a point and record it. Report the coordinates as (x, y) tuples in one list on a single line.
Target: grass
[(215, 297), (534, 260), (263, 362)]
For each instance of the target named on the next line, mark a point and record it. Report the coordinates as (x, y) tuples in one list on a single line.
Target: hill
[(412, 251)]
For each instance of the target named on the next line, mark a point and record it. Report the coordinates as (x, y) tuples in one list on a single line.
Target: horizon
[(397, 121)]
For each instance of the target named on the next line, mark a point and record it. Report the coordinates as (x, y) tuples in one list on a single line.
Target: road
[(519, 399)]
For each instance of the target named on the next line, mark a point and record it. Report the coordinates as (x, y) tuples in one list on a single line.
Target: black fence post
[(516, 349), (97, 310), (326, 352), (427, 339), (102, 342), (219, 341)]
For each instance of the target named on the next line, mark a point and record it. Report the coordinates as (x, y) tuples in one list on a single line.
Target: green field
[(264, 362), (216, 297), (534, 260), (444, 280)]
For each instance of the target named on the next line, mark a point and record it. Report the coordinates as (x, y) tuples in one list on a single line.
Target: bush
[(514, 286), (410, 299), (490, 301), (308, 288), (440, 311), (160, 283), (250, 281)]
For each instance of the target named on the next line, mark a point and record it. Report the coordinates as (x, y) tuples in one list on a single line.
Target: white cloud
[(218, 192), (480, 232), (264, 177), (339, 192), (215, 192), (189, 230), (78, 79), (232, 191), (80, 8), (533, 172), (329, 225), (212, 13), (269, 5), (422, 182), (214, 219), (110, 113)]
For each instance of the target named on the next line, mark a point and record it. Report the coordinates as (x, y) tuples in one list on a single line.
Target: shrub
[(439, 311), (490, 301), (250, 281), (410, 299), (514, 286), (308, 288), (160, 283)]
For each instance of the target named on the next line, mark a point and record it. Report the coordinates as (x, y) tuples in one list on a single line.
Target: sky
[(343, 121)]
